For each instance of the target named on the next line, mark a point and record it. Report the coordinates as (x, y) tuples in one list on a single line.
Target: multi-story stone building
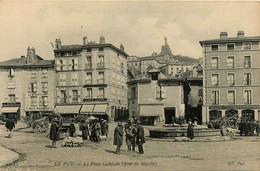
[(231, 77), (27, 85), (91, 79)]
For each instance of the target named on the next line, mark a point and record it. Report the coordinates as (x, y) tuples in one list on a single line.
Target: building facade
[(27, 86), (91, 79), (231, 77)]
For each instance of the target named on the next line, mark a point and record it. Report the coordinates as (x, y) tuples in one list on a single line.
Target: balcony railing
[(87, 99), (100, 66), (88, 66)]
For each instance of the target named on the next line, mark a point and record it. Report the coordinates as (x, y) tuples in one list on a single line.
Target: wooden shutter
[(76, 78), (75, 64), (157, 92), (58, 65), (70, 64), (79, 94), (58, 96), (70, 96), (163, 91)]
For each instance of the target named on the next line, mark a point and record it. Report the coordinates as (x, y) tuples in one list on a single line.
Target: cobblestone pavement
[(243, 153)]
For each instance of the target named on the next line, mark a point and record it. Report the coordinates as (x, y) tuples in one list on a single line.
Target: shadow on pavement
[(110, 151), (17, 130)]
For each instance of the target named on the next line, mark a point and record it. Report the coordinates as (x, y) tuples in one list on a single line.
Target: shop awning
[(72, 109), (10, 109), (100, 109), (87, 109), (151, 110)]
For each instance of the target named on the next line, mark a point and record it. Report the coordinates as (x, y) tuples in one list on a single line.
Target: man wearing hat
[(54, 132), (140, 137), (118, 137), (130, 134)]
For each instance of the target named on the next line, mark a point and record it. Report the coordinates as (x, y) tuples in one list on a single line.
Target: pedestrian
[(102, 127), (190, 133), (128, 133), (72, 129), (241, 127), (140, 140), (10, 125), (247, 127), (105, 129), (83, 127), (54, 132), (222, 130), (257, 128), (118, 137), (252, 128), (97, 131)]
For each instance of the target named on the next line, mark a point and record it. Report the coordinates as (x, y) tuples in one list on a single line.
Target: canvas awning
[(151, 110), (100, 109), (10, 109), (87, 109), (73, 109)]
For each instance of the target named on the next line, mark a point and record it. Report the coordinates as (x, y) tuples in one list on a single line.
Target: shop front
[(150, 114), (11, 113)]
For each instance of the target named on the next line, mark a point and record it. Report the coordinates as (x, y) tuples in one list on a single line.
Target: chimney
[(85, 40), (223, 35), (122, 48), (31, 56), (240, 34), (102, 39), (57, 44)]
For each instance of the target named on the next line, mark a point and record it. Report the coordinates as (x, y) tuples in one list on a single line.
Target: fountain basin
[(168, 133)]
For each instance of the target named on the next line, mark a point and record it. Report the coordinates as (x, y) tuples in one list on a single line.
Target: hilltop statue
[(166, 50)]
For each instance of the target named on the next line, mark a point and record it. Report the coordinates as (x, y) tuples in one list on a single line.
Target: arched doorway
[(214, 114), (248, 114)]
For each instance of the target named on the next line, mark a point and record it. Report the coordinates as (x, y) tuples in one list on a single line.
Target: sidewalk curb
[(7, 156)]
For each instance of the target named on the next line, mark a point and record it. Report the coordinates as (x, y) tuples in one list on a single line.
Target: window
[(63, 98), (214, 79), (72, 64), (89, 63), (133, 93), (160, 92), (100, 62), (61, 65), (214, 47), (230, 62), (214, 62), (100, 78), (12, 98), (33, 87), (122, 67), (200, 92), (247, 79), (89, 50), (45, 101), (33, 75), (74, 53), (101, 49), (89, 93), (62, 80), (11, 85), (215, 97), (101, 93), (33, 101), (75, 96), (89, 78), (44, 87), (231, 97), (11, 72), (231, 79), (44, 73), (248, 96), (247, 46), (230, 46), (247, 61), (74, 78)]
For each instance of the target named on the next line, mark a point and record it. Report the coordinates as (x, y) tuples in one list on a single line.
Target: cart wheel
[(37, 129)]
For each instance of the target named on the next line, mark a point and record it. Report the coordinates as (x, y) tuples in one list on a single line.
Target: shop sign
[(235, 107), (169, 83)]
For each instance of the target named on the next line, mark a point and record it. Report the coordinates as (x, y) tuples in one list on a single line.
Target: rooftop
[(230, 39), (22, 63), (90, 45)]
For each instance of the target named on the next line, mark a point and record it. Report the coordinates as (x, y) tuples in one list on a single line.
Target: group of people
[(92, 131), (134, 136), (248, 127)]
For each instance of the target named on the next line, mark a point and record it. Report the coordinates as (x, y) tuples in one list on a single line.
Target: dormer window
[(214, 47), (247, 46)]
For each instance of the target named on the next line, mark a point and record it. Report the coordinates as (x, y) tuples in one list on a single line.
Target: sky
[(139, 26)]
